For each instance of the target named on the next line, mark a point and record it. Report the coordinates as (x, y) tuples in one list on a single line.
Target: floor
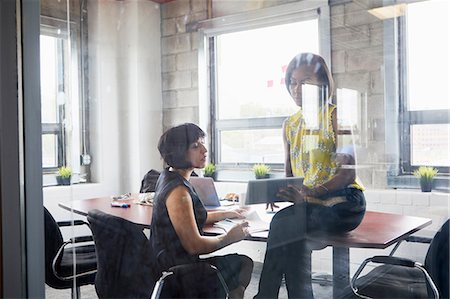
[(321, 291)]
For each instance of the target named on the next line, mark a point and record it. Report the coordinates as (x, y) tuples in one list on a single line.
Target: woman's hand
[(238, 232), (294, 193), (232, 197), (238, 213)]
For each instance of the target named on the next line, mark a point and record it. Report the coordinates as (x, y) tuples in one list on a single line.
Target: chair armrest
[(396, 261), (392, 260), (417, 239), (187, 268), (80, 239), (70, 223), (59, 255), (191, 267)]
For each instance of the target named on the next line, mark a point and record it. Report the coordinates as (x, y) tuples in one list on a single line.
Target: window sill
[(440, 183), (242, 176), (49, 180)]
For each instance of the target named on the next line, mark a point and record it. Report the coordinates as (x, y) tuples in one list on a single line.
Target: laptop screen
[(206, 191), (265, 190)]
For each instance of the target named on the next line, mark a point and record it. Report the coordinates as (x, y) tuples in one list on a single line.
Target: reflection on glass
[(251, 146), (347, 107), (426, 139), (251, 66), (310, 105)]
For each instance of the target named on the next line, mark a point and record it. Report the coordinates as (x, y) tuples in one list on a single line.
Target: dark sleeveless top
[(167, 248)]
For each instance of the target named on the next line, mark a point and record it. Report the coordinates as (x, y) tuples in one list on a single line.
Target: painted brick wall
[(180, 60)]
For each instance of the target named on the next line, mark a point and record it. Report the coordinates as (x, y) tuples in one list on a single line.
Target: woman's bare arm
[(181, 214), (214, 216)]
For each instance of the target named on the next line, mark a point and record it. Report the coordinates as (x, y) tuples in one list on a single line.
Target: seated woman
[(179, 217), (331, 199)]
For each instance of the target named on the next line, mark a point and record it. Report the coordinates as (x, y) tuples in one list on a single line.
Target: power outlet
[(85, 159)]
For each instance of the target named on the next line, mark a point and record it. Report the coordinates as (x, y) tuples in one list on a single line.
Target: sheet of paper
[(256, 224)]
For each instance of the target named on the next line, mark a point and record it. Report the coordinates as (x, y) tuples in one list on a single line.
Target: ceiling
[(162, 1)]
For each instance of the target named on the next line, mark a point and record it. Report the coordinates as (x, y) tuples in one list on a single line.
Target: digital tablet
[(265, 190)]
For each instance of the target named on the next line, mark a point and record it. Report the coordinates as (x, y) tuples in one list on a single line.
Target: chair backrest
[(437, 260), (53, 241), (148, 183), (123, 257)]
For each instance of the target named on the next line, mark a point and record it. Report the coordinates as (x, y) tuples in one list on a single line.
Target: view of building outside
[(50, 78), (427, 139), (428, 79), (251, 67)]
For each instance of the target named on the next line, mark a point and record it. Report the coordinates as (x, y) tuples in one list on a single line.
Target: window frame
[(56, 128), (408, 118), (261, 18), (72, 151)]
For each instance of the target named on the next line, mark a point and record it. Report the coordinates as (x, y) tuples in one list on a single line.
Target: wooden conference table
[(378, 230)]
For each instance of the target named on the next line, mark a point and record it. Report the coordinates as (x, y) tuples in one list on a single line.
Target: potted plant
[(210, 171), (64, 175), (261, 171), (426, 175)]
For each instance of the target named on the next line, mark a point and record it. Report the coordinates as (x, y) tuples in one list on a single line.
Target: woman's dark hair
[(175, 142), (321, 69)]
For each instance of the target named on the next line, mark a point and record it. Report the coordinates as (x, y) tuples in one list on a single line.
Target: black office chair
[(123, 253), (68, 260), (125, 269), (199, 280), (148, 183), (404, 278)]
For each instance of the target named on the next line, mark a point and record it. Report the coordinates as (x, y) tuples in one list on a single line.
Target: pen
[(120, 204)]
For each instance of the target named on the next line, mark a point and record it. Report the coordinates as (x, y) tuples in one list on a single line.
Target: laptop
[(206, 192), (265, 190)]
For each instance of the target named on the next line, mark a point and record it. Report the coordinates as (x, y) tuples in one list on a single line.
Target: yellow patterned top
[(313, 149)]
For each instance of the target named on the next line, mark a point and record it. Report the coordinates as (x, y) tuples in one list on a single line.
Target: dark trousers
[(288, 253)]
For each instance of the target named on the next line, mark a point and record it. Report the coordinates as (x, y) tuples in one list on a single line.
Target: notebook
[(206, 192), (265, 190)]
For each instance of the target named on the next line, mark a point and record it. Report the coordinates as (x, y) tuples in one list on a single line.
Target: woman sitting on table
[(179, 216), (330, 201)]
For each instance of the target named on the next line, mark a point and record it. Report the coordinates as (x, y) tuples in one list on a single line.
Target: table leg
[(341, 270)]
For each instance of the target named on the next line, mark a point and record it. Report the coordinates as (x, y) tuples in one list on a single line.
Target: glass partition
[(365, 97)]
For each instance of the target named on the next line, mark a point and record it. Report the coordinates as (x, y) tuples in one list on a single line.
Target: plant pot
[(63, 181), (266, 176), (426, 185), (211, 175)]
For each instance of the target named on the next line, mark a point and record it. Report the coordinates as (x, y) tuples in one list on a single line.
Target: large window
[(54, 56), (248, 96), (252, 100), (63, 100), (425, 102)]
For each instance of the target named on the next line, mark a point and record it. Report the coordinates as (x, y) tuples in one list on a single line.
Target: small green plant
[(261, 170), (64, 172), (426, 173), (209, 169)]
